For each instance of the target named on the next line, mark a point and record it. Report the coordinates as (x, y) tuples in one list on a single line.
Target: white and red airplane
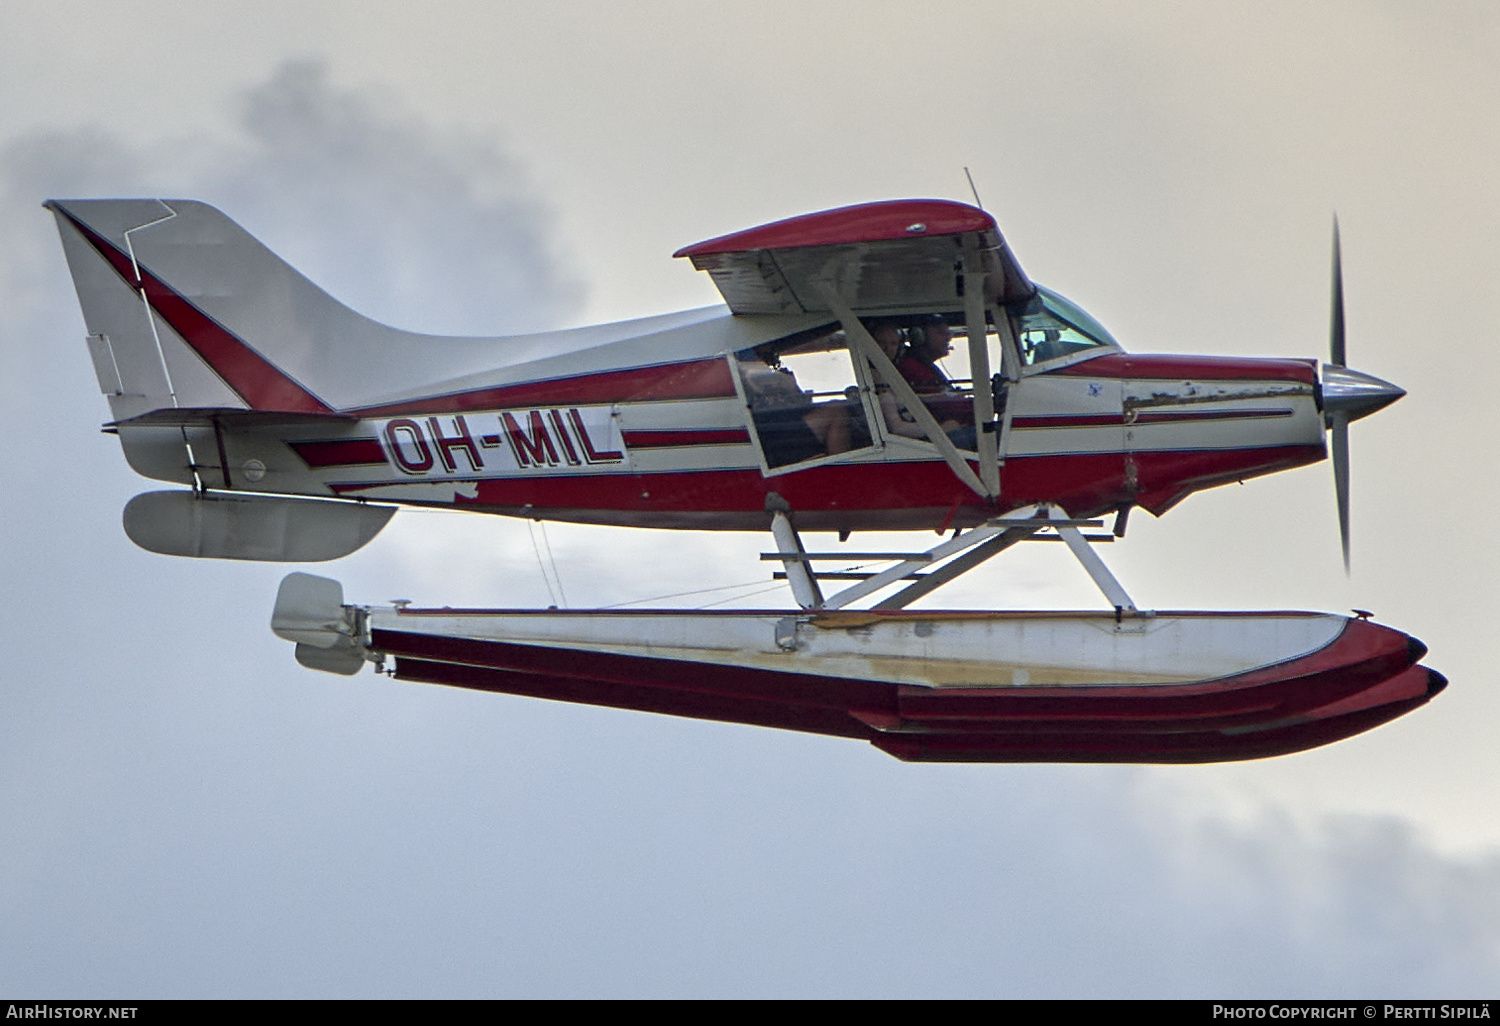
[(816, 400)]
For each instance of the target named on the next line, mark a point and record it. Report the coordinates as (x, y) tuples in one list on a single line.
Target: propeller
[(1347, 396), (1338, 421)]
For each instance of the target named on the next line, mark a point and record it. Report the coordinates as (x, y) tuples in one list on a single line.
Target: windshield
[(1050, 327)]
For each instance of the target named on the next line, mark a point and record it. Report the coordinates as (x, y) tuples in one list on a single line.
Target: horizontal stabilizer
[(266, 528), (229, 417)]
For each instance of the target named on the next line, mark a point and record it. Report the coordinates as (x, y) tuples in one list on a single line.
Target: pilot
[(933, 341)]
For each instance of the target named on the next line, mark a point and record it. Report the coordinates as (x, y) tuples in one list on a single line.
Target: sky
[(189, 813)]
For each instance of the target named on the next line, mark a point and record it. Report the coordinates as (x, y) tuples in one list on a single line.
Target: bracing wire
[(722, 587), (775, 587), (555, 575), (553, 580), (685, 594), (541, 565)]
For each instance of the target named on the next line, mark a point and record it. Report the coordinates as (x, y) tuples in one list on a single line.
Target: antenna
[(977, 201)]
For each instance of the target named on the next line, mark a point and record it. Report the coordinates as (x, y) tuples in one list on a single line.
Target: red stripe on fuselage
[(1079, 420), (340, 452), (249, 374), (1170, 367), (868, 496), (677, 439), (1178, 418), (1112, 419), (694, 379)]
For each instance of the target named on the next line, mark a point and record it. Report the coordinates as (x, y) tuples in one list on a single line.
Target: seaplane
[(823, 396)]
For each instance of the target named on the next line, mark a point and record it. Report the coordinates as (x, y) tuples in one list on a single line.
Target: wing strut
[(979, 369), (1010, 371), (935, 579), (859, 339), (1106, 581), (968, 540), (788, 542), (975, 547)]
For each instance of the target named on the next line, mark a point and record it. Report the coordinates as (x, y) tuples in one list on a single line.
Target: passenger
[(898, 421), (829, 422), (791, 426), (886, 331), (770, 386)]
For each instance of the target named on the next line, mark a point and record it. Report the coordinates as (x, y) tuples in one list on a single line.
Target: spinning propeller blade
[(1338, 424), (1338, 430), (1347, 395), (1336, 326)]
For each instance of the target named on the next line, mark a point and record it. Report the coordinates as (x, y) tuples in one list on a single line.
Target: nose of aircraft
[(1352, 395)]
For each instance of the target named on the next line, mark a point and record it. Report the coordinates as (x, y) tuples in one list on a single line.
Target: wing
[(902, 254)]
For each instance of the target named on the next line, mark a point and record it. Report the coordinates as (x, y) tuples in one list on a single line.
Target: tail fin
[(172, 292)]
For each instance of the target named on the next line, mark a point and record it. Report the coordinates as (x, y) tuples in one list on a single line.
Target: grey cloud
[(1202, 906), (408, 222), (84, 162)]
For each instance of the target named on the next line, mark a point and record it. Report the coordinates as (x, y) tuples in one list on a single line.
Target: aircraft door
[(807, 404)]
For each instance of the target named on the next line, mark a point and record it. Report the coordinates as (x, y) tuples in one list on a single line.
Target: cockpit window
[(810, 398), (1051, 327)]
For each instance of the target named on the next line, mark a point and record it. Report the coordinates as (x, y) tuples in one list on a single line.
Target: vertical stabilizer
[(185, 309), (127, 358)]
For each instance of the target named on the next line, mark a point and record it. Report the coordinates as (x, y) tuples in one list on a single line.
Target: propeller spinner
[(1347, 396)]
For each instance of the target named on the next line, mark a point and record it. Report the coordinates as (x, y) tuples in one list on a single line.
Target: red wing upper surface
[(902, 254)]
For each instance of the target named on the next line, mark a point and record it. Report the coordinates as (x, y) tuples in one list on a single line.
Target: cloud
[(1193, 904), (432, 228), (403, 220)]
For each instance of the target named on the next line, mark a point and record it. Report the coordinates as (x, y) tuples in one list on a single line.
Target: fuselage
[(227, 370), (678, 445)]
